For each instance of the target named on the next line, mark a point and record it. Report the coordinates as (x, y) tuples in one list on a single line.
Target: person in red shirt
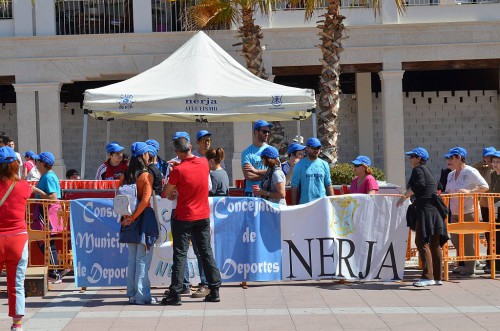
[(191, 219), (13, 233), (115, 166)]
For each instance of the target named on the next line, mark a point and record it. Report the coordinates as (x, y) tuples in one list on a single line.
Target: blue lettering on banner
[(247, 239), (99, 258)]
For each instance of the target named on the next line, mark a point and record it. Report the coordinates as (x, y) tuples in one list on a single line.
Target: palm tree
[(332, 32), (217, 14)]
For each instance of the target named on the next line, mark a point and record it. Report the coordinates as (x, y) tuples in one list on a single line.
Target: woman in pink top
[(364, 182)]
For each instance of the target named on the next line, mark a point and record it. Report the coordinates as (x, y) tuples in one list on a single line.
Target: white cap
[(299, 139)]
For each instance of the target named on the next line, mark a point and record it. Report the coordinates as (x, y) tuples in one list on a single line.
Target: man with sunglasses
[(204, 141), (311, 176), (251, 163)]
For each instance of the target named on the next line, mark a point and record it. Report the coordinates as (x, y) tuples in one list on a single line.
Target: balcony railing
[(94, 16), (286, 5), (5, 9)]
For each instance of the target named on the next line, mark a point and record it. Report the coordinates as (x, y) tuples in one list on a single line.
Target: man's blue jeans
[(138, 284)]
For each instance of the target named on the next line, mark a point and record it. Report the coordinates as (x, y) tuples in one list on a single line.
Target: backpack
[(125, 201), (34, 174)]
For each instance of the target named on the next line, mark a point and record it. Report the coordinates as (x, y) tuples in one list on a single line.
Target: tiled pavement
[(460, 304)]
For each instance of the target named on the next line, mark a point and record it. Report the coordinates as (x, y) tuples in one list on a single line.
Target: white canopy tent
[(198, 82)]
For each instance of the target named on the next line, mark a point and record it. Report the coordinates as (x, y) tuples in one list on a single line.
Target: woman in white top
[(463, 179)]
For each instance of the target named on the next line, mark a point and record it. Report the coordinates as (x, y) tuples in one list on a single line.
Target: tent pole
[(298, 130), (84, 142), (108, 129), (314, 124)]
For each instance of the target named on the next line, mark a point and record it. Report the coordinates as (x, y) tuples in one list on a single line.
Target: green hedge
[(343, 174)]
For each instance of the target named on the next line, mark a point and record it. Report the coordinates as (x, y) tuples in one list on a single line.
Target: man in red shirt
[(191, 219)]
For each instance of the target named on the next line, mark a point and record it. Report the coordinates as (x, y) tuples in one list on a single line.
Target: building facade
[(427, 77)]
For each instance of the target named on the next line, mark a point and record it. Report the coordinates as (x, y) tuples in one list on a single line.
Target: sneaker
[(150, 302), (201, 292), (56, 280), (424, 282), (457, 270), (439, 282), (171, 300), (213, 296), (16, 328)]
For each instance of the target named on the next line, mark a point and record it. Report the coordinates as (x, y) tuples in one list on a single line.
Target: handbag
[(131, 234), (11, 187), (411, 216)]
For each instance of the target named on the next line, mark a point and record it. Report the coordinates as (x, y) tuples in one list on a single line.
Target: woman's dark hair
[(270, 163), (215, 154), (9, 171), (71, 172), (135, 168)]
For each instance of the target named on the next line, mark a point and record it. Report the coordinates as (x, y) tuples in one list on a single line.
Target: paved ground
[(461, 303)]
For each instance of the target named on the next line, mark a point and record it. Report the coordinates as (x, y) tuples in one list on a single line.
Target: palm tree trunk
[(251, 37), (332, 33)]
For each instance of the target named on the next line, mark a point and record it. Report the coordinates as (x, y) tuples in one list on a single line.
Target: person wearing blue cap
[(430, 230), (48, 188), (295, 153), (485, 169), (115, 166), (272, 187), (14, 194), (364, 182), (153, 168), (495, 188), (311, 175), (29, 166), (204, 141), (190, 220), (141, 226), (161, 164), (463, 179), (251, 163)]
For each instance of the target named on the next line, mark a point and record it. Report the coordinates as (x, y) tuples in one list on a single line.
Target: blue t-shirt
[(312, 177), (249, 155), (49, 183)]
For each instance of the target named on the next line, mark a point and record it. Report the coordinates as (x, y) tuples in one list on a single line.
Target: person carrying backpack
[(139, 230)]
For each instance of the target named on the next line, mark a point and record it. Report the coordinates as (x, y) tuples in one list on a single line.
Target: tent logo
[(126, 101), (276, 100)]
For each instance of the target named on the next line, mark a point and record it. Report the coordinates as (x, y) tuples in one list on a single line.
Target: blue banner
[(247, 239), (99, 259)]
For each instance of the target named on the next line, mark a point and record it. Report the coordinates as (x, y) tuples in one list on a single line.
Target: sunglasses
[(357, 165), (265, 131)]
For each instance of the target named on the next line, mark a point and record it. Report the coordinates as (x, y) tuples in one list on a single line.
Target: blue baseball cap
[(7, 155), (489, 151), (153, 143), (456, 151), (496, 154), (293, 147), (181, 134), (139, 148), (270, 152), (152, 151), (202, 133), (260, 123), (30, 154), (420, 152), (313, 142), (46, 157), (113, 148), (361, 159)]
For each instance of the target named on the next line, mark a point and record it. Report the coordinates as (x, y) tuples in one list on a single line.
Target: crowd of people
[(265, 176)]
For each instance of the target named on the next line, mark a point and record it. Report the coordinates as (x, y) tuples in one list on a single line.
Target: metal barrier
[(48, 224)]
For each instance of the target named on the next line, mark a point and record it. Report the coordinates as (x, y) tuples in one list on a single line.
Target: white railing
[(168, 15), (286, 5), (93, 16), (447, 2), (6, 10)]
